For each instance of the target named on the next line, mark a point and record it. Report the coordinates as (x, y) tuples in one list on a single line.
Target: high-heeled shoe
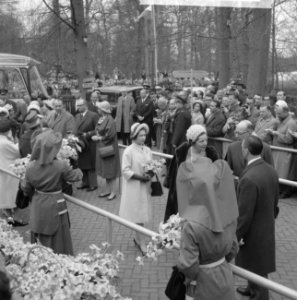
[(111, 196), (139, 247)]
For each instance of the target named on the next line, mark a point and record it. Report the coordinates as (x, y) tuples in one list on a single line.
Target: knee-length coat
[(109, 167)]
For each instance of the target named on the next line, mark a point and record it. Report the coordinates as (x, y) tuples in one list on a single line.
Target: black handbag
[(106, 151), (156, 188), (21, 200), (176, 288)]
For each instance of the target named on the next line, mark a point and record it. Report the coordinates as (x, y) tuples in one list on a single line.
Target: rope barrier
[(266, 283)]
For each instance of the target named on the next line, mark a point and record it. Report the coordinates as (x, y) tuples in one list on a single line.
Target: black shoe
[(91, 188), (82, 187), (245, 291)]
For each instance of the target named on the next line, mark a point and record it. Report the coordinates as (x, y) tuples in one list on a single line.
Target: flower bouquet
[(168, 237), (153, 167), (20, 165), (67, 151), (73, 142), (36, 272)]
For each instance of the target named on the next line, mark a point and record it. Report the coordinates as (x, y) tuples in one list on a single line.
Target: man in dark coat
[(234, 155), (86, 122), (182, 121), (257, 196), (144, 113), (214, 125)]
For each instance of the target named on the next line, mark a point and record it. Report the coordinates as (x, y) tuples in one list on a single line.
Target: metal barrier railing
[(261, 281), (168, 156)]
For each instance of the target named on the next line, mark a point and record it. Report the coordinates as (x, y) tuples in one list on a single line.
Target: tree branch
[(57, 15)]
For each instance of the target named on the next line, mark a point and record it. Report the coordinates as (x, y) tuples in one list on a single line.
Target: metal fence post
[(109, 230)]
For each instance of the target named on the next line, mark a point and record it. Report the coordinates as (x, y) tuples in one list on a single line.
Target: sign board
[(212, 3), (188, 74)]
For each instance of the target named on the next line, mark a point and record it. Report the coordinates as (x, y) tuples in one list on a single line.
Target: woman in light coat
[(136, 205), (9, 152)]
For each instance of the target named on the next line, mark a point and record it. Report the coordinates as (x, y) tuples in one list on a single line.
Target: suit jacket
[(87, 125), (181, 123), (257, 195), (145, 109), (215, 123), (62, 123), (236, 161), (124, 114)]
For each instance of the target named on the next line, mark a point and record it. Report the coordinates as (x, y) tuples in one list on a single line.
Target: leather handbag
[(156, 188), (106, 151), (176, 288)]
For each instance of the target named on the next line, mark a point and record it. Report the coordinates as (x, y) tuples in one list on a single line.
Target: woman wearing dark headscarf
[(207, 201), (49, 220)]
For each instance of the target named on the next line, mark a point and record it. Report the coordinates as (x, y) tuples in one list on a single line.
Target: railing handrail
[(281, 180), (266, 283), (284, 149)]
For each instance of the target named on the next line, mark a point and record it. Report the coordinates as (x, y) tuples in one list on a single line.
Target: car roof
[(117, 89), (13, 60)]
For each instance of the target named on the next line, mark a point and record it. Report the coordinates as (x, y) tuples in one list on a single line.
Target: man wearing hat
[(182, 121), (144, 113), (61, 121), (86, 122)]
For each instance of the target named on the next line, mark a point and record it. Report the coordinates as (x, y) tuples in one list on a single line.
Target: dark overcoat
[(109, 167), (215, 123), (146, 110), (236, 161), (87, 124), (257, 195), (181, 123)]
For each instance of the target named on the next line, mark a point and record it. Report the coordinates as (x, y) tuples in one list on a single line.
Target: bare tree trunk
[(80, 40), (57, 24), (259, 50), (223, 35)]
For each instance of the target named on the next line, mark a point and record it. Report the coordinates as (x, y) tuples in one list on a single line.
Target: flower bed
[(36, 272)]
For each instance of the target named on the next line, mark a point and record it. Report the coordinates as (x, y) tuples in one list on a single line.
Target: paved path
[(148, 282)]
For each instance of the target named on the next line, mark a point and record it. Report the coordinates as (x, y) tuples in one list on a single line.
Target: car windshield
[(11, 80)]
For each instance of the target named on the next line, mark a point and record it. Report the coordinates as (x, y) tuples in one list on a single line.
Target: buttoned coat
[(146, 110), (257, 195), (124, 114), (63, 122), (87, 125)]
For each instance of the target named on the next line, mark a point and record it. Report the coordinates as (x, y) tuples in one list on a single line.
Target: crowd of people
[(222, 212)]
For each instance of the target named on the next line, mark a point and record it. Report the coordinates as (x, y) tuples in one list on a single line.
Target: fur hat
[(137, 127), (194, 132)]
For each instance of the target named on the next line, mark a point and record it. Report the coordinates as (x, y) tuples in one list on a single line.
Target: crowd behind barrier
[(269, 284)]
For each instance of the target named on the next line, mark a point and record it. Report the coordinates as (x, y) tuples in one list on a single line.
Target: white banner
[(212, 3)]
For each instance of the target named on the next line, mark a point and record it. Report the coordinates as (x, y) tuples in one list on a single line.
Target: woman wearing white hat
[(136, 203)]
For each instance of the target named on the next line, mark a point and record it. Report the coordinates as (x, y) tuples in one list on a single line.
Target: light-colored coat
[(125, 110), (9, 152), (63, 123), (282, 159), (136, 205)]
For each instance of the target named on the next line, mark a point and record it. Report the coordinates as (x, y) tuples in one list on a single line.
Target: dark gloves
[(142, 178)]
